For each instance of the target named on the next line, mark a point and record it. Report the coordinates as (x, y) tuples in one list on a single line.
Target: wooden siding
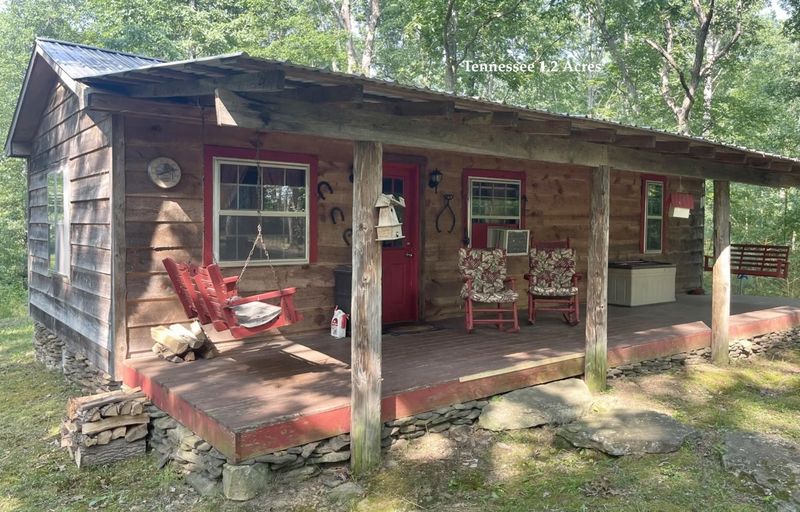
[(169, 222), (77, 307)]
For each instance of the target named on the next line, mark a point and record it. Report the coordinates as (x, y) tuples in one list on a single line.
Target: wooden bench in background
[(756, 260)]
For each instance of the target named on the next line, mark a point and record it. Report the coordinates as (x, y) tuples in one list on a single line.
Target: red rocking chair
[(485, 281), (553, 281)]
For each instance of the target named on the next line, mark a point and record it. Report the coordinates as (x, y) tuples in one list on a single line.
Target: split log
[(173, 342), (137, 408), (136, 432), (189, 336), (119, 432), (104, 437), (125, 408), (114, 422), (198, 331), (110, 410), (116, 450), (208, 351)]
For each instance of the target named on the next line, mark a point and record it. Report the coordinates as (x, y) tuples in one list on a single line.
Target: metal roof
[(222, 65), (81, 61)]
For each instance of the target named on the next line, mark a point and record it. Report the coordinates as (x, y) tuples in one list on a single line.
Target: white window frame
[(470, 182), (53, 259), (648, 217), (218, 162)]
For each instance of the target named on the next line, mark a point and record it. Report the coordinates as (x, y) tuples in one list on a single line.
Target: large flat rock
[(771, 463), (554, 403), (627, 432)]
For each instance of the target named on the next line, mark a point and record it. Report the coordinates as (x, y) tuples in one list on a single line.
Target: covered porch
[(266, 395)]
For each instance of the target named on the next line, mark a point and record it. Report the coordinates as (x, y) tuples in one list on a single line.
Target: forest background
[(727, 70)]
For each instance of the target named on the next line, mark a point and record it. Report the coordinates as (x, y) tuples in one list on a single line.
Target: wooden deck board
[(264, 394)]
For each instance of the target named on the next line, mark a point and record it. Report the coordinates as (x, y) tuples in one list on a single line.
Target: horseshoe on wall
[(347, 235), (333, 214), (320, 186)]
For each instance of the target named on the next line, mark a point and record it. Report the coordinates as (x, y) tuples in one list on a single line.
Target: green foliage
[(756, 90)]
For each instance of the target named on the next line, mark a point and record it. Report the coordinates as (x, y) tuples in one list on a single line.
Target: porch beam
[(672, 146), (365, 315), (721, 275), (545, 126), (354, 124), (636, 141), (262, 81), (316, 94), (596, 358), (444, 109)]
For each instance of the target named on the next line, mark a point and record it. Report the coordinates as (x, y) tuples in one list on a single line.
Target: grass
[(514, 471)]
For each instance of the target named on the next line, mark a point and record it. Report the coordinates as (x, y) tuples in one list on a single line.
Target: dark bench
[(756, 260)]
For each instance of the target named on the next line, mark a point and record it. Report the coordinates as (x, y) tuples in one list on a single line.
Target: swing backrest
[(215, 296), (180, 274)]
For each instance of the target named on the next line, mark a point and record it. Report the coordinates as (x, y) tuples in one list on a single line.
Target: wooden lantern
[(389, 226)]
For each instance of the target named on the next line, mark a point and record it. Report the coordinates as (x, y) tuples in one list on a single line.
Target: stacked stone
[(440, 420), (80, 371), (47, 346), (174, 442), (739, 350)]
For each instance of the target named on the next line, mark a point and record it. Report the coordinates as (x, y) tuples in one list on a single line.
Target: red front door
[(401, 257)]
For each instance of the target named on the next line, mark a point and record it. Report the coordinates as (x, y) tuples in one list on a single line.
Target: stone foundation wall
[(209, 471), (55, 354), (205, 467)]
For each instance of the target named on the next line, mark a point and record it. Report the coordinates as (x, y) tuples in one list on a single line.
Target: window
[(494, 199), (273, 194), (652, 214), (59, 225)]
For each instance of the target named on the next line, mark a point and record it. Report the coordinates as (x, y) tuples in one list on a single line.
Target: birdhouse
[(389, 226), (680, 204)]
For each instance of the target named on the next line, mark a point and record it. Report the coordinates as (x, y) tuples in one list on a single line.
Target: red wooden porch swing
[(211, 298)]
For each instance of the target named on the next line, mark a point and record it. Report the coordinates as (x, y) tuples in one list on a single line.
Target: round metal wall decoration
[(164, 172)]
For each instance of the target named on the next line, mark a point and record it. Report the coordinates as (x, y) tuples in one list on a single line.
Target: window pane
[(248, 197), (228, 173), (248, 175), (653, 241), (495, 199), (285, 238), (296, 177), (655, 199)]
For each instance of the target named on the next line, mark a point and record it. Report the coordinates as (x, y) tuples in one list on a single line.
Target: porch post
[(721, 276), (365, 313), (596, 358)]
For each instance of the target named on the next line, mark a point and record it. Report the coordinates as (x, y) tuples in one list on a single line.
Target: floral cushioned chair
[(553, 281), (485, 281)]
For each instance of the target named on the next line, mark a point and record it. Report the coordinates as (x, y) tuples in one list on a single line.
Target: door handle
[(410, 254)]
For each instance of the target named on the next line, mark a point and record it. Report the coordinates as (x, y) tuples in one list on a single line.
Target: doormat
[(399, 330)]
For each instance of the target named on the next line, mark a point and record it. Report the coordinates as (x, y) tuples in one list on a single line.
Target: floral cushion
[(485, 269), (502, 297), (552, 271)]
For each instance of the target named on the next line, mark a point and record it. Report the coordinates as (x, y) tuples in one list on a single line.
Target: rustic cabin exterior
[(131, 160)]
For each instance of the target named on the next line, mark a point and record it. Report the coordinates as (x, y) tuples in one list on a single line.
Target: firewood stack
[(105, 427), (177, 344)]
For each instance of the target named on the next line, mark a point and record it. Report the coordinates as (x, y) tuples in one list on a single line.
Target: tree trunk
[(721, 276), (596, 358), (365, 416)]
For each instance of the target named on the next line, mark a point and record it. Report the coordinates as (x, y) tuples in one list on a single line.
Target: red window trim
[(643, 211), (211, 152), (468, 173)]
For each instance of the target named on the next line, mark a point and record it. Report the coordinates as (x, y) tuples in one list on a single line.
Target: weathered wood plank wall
[(78, 307), (169, 222)]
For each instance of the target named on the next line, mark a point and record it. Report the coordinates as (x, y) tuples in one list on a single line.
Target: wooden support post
[(596, 359), (721, 276), (365, 313)]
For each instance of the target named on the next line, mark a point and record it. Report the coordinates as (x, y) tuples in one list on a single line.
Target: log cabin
[(131, 160)]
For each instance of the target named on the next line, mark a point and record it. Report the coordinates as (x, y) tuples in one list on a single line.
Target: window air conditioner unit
[(515, 241)]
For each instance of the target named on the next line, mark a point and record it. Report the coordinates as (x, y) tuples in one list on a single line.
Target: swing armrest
[(262, 296), (231, 283)]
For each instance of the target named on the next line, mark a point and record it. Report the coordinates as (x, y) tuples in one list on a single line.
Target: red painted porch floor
[(263, 396)]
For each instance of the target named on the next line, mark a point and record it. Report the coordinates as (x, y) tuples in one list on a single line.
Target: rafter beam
[(730, 157), (318, 94), (352, 124), (703, 151), (262, 81), (672, 146), (545, 126), (596, 135), (414, 108), (636, 141), (505, 119)]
